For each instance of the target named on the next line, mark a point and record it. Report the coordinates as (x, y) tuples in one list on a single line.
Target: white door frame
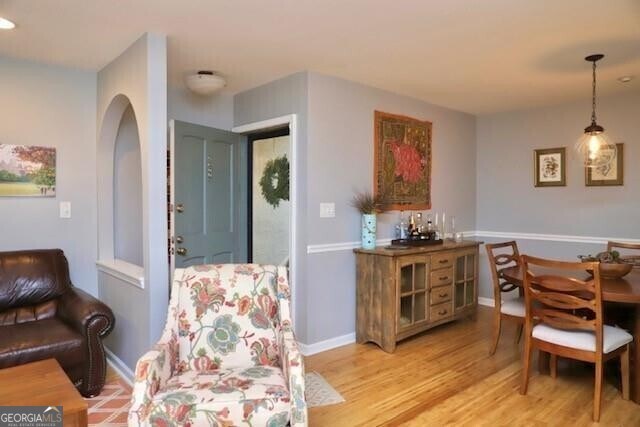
[(264, 125), (172, 197)]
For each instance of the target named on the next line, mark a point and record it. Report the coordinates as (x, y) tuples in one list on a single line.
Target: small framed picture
[(550, 169), (611, 174)]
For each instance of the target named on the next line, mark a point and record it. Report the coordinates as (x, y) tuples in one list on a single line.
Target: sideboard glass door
[(466, 275), (413, 274)]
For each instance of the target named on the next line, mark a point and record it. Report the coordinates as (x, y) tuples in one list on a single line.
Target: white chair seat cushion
[(613, 338), (513, 307), (251, 396)]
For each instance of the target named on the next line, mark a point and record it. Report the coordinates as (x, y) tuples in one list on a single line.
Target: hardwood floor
[(446, 377)]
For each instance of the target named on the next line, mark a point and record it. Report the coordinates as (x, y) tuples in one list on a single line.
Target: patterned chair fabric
[(228, 355)]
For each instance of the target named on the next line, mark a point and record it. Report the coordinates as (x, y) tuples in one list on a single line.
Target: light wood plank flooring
[(446, 377)]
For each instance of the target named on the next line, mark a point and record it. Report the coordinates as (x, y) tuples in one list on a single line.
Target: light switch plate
[(327, 210), (65, 209)]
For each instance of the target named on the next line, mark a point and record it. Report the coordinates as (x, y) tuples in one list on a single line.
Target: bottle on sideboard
[(401, 228), (412, 225), (431, 233), (419, 223)]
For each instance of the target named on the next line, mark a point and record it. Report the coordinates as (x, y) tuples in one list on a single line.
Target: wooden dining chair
[(564, 318), (626, 247), (613, 245), (510, 309)]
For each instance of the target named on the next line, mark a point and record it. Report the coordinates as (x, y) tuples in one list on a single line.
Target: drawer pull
[(443, 261), (443, 295), (442, 312), (444, 278)]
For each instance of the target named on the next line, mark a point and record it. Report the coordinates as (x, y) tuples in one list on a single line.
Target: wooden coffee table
[(43, 383)]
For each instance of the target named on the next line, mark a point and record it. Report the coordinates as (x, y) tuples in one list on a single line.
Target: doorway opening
[(269, 206), (289, 121)]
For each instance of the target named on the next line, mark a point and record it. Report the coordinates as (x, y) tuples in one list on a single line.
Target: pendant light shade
[(594, 147)]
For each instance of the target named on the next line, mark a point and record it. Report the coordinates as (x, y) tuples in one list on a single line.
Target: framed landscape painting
[(611, 174), (402, 156), (550, 169), (27, 170)]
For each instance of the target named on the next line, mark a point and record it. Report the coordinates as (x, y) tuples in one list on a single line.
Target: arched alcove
[(127, 191), (120, 192)]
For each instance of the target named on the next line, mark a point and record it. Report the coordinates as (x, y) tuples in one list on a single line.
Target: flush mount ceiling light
[(593, 146), (205, 82), (5, 24)]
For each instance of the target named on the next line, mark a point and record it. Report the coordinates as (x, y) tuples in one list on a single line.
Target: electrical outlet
[(65, 209), (327, 210)]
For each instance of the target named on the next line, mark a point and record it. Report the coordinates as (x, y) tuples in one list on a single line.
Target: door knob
[(179, 240), (181, 251), (179, 208)]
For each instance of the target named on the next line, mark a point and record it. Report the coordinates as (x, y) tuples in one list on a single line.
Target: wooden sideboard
[(401, 293)]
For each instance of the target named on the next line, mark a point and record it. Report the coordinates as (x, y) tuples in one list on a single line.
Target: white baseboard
[(489, 302), (119, 366), (309, 349)]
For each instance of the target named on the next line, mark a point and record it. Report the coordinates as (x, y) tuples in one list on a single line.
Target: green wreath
[(275, 181)]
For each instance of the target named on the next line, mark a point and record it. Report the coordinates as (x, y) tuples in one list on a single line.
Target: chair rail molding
[(550, 237), (340, 246), (346, 246)]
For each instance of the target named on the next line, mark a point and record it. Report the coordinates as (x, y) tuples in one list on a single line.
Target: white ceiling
[(475, 56)]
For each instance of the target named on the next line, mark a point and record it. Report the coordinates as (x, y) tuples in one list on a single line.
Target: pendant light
[(593, 146)]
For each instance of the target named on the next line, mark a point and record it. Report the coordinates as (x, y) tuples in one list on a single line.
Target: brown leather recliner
[(42, 316)]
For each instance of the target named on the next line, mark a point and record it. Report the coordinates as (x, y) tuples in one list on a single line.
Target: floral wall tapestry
[(402, 156)]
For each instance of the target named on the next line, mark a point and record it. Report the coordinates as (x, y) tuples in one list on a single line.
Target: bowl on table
[(614, 270), (609, 270)]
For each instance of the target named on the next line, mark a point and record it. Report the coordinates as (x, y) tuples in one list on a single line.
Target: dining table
[(624, 291)]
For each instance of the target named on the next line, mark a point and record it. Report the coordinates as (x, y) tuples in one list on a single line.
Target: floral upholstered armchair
[(227, 357)]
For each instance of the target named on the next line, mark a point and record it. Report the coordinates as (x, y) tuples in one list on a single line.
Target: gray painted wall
[(336, 135), (214, 111), (132, 325), (507, 201), (278, 98), (482, 174), (340, 162), (53, 106), (127, 221), (139, 74)]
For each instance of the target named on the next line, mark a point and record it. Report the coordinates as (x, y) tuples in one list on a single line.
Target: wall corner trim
[(119, 366), (319, 347), (127, 272)]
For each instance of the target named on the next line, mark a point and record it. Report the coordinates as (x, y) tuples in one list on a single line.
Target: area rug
[(319, 392), (111, 407)]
